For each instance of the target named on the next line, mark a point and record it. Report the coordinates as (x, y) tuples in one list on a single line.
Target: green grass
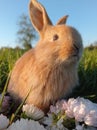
[(87, 76), (87, 71), (8, 57)]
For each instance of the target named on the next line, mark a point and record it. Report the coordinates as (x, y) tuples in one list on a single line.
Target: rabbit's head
[(62, 41)]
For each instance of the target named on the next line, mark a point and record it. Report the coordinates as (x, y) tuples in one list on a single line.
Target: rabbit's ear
[(38, 15), (62, 20)]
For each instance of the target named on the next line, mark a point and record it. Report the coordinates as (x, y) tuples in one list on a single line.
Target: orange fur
[(50, 69)]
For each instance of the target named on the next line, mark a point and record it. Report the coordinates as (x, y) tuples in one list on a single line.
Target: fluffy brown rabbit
[(49, 69)]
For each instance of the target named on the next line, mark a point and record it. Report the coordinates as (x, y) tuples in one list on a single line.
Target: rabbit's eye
[(55, 37)]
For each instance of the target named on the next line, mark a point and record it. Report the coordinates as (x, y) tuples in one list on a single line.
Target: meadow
[(87, 88), (87, 71)]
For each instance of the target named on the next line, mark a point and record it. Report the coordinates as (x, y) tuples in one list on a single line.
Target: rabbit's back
[(20, 74)]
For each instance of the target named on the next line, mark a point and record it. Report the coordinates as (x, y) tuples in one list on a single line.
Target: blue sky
[(82, 15)]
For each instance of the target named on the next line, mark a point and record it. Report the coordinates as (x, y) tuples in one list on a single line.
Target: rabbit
[(49, 70)]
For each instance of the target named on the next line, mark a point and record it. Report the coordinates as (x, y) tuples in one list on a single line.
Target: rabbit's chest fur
[(56, 82), (48, 81)]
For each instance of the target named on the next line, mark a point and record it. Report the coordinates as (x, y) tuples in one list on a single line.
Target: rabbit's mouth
[(73, 58), (75, 54), (76, 57)]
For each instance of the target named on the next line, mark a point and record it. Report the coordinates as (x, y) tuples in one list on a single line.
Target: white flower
[(91, 118), (79, 108), (32, 111), (84, 108), (52, 125), (53, 109), (3, 122), (52, 128), (48, 120), (72, 103), (25, 124), (79, 127), (60, 106), (59, 124)]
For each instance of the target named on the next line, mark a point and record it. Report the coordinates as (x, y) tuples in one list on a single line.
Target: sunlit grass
[(8, 57)]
